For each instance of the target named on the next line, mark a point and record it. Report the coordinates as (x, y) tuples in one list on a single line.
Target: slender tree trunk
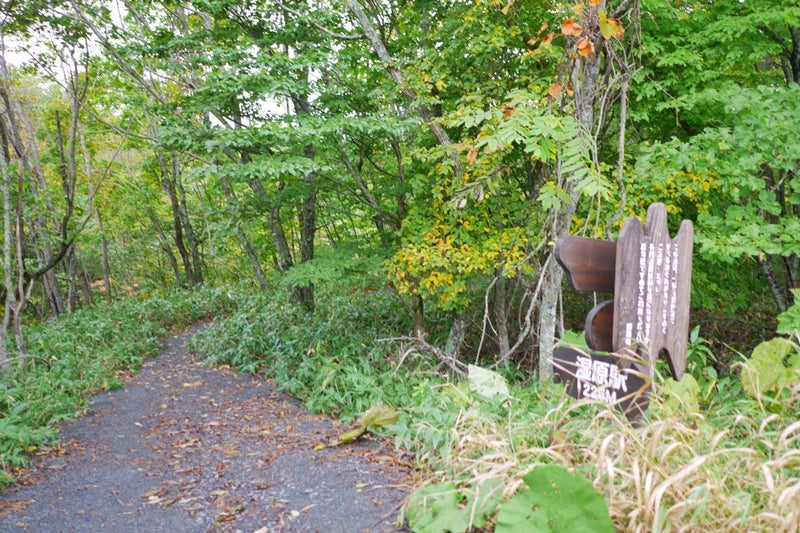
[(500, 305), (308, 231), (104, 260), (455, 339), (391, 66), (72, 278), (585, 84), (418, 314), (401, 174), (39, 234), (22, 293), (85, 284), (308, 211), (104, 256), (30, 163), (183, 212), (381, 217), (165, 246), (275, 222), (777, 288), (169, 187), (68, 178), (47, 257), (244, 239), (8, 245)]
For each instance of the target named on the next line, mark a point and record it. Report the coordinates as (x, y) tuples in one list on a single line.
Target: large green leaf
[(436, 508), (488, 383), (442, 507), (774, 364), (555, 500)]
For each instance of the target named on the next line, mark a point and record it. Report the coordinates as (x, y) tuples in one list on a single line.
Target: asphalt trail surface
[(189, 448)]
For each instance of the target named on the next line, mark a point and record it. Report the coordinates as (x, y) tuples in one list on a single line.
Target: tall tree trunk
[(68, 173), (85, 284), (275, 222), (72, 280), (308, 210), (104, 255), (586, 86), (777, 288), (22, 293), (244, 239), (191, 239), (104, 260), (169, 187), (456, 336), (31, 163), (165, 246), (500, 305), (27, 152), (8, 245)]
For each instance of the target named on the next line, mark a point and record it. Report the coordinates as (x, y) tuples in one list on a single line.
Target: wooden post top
[(588, 263)]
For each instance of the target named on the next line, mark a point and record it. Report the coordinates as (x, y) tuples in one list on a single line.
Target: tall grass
[(706, 457), (332, 359), (732, 469)]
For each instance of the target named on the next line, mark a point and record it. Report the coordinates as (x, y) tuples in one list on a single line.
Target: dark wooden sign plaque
[(623, 382), (649, 275)]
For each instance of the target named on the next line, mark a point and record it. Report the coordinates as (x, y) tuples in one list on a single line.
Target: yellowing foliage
[(453, 256)]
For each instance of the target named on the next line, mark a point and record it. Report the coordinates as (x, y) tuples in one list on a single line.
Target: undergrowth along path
[(184, 448)]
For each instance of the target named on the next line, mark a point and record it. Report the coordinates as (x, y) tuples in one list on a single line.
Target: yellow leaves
[(610, 27), (458, 253), (554, 90)]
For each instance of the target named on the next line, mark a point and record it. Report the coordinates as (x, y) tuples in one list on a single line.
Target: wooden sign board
[(650, 275), (610, 378), (599, 327), (652, 289)]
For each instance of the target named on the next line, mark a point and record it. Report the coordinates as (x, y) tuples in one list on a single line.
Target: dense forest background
[(416, 159), (446, 144)]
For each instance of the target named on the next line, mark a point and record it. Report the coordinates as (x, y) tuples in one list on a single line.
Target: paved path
[(185, 448)]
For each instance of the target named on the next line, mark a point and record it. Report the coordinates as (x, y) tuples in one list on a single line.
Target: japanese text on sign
[(600, 380)]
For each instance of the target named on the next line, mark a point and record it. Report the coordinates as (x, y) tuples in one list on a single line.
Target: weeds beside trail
[(708, 456)]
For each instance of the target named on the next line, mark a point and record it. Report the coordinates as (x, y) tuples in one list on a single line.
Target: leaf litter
[(185, 447)]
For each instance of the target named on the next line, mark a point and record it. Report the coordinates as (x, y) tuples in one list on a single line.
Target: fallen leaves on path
[(230, 451)]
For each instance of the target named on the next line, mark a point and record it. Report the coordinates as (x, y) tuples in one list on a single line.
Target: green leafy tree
[(716, 99)]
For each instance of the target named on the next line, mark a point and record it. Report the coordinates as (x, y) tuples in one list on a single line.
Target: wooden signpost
[(649, 275)]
